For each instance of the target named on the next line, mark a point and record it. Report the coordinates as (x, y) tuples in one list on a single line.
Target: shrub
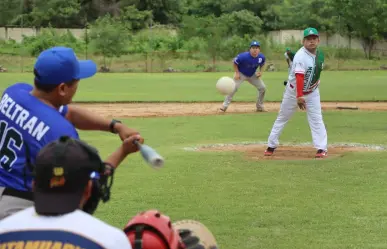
[(49, 38)]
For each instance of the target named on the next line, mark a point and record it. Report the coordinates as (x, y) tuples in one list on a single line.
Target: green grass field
[(335, 86), (332, 203), (335, 203)]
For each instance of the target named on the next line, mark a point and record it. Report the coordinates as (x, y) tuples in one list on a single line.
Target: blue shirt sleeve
[(238, 59), (65, 128), (63, 110), (73, 133), (263, 61)]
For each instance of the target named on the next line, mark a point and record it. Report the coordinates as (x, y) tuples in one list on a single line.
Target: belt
[(302, 92), (18, 193)]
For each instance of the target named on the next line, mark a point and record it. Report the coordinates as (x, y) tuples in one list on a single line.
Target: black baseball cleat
[(321, 154), (269, 151)]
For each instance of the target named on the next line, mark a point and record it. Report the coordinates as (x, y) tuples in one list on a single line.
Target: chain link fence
[(19, 58), (156, 62)]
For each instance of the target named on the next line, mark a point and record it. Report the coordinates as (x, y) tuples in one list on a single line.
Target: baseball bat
[(150, 155)]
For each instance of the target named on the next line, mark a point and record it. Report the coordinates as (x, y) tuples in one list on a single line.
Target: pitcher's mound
[(287, 152)]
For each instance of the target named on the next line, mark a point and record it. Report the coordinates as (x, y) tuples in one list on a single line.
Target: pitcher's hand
[(301, 103)]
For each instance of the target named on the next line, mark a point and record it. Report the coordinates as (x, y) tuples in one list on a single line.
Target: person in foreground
[(302, 90), (70, 181), (245, 66), (153, 230), (33, 116)]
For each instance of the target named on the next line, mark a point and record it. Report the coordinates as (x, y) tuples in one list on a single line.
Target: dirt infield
[(252, 152), (127, 110), (287, 152)]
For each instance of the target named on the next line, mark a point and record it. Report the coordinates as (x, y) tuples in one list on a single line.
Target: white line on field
[(345, 144)]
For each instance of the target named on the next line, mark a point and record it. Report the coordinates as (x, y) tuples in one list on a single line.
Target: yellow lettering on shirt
[(32, 245), (38, 245)]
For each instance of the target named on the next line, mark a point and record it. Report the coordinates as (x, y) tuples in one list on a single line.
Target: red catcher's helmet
[(152, 230)]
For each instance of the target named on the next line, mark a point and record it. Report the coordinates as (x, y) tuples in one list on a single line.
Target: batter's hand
[(125, 132), (128, 146), (237, 76), (258, 74), (301, 103)]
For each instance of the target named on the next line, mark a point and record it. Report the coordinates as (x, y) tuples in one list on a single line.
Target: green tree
[(58, 13), (290, 14), (242, 22), (260, 8), (208, 7), (368, 23), (211, 28), (164, 11), (9, 9), (109, 37), (134, 19)]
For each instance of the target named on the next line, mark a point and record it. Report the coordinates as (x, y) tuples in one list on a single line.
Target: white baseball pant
[(10, 204), (255, 81), (314, 114)]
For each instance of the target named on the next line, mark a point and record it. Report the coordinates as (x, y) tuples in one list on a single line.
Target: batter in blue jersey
[(33, 116), (245, 67), (26, 125)]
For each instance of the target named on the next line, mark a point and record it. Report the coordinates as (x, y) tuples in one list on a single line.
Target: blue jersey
[(26, 126), (247, 64)]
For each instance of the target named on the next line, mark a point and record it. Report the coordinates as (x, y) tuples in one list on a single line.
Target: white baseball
[(225, 85)]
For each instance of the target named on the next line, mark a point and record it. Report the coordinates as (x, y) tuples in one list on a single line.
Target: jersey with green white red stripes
[(310, 65)]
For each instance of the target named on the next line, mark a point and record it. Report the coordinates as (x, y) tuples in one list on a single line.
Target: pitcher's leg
[(228, 98), (287, 109), (261, 87), (316, 122)]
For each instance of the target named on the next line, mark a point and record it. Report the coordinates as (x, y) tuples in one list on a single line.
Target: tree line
[(214, 20)]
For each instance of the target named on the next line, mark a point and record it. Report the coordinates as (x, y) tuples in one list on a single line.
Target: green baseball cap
[(287, 49), (310, 31)]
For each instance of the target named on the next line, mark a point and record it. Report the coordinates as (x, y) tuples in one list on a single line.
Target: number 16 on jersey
[(10, 139)]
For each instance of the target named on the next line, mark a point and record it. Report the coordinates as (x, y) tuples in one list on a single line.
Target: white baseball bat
[(150, 155)]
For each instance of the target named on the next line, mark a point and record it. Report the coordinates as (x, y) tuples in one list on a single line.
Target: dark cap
[(63, 169), (255, 44)]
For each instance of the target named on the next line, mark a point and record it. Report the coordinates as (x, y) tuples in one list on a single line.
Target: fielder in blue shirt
[(245, 67), (33, 116)]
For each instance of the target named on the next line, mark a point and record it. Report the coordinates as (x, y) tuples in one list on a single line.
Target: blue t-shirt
[(247, 64), (26, 121)]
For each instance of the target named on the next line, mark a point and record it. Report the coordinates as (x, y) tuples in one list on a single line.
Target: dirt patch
[(127, 110), (287, 152)]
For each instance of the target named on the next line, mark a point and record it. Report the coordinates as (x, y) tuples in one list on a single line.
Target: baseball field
[(214, 167)]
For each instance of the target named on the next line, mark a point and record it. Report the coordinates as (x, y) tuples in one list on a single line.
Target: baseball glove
[(199, 230)]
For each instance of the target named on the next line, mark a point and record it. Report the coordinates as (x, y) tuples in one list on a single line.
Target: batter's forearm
[(84, 119), (116, 158)]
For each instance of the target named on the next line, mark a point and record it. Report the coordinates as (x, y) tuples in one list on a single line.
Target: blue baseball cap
[(255, 43), (60, 64)]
